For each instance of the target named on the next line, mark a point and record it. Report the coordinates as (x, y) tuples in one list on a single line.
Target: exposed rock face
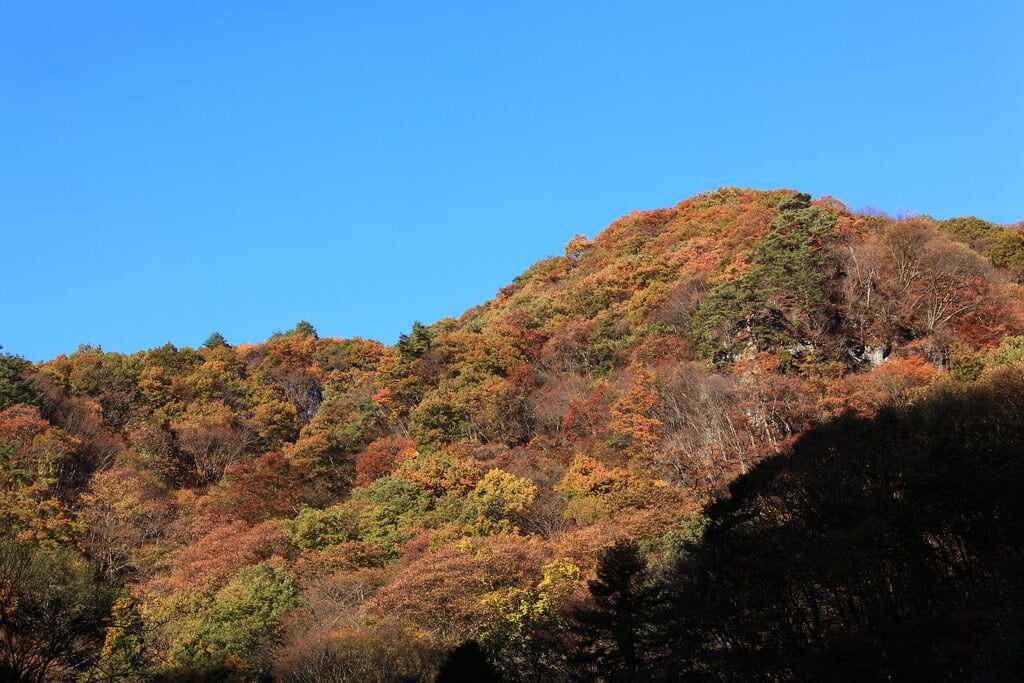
[(866, 354)]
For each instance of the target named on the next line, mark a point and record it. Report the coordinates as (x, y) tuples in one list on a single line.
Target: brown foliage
[(223, 551), (124, 508), (440, 593), (894, 382), (374, 655), (262, 488), (213, 437), (381, 457)]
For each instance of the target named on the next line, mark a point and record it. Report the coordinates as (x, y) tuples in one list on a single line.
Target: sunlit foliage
[(540, 489)]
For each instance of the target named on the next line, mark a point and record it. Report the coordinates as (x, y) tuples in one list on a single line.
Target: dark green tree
[(304, 328), (1008, 252), (794, 202), (413, 345), (15, 388), (974, 231), (780, 296), (215, 341)]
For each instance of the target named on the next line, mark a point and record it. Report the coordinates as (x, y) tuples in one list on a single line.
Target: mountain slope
[(461, 484)]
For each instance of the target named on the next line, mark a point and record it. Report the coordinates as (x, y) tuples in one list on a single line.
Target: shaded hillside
[(884, 548), (321, 505)]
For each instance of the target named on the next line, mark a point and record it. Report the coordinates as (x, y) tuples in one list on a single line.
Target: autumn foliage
[(338, 509)]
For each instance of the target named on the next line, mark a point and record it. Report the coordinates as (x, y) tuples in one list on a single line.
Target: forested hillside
[(751, 436)]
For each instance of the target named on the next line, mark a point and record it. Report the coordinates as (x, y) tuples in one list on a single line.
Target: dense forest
[(754, 436)]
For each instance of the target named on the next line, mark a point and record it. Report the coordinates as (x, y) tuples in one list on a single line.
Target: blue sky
[(170, 169)]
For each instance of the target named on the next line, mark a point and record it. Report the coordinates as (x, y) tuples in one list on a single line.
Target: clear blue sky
[(170, 169)]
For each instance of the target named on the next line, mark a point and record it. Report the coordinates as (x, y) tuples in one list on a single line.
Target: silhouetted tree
[(616, 629), (875, 549), (466, 663)]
